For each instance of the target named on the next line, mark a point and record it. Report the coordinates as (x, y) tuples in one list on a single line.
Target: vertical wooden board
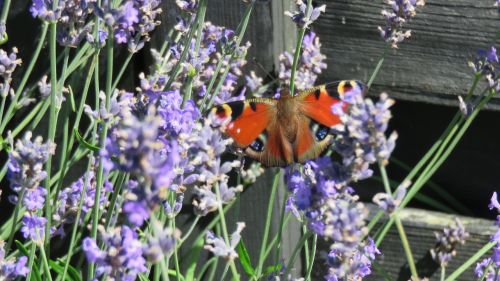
[(269, 35), (430, 66)]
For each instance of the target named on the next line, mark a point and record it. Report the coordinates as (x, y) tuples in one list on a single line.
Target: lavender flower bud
[(123, 255), (10, 269), (401, 12), (218, 246), (301, 19), (447, 242)]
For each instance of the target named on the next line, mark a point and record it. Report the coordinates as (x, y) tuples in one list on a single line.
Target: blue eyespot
[(321, 132), (257, 145)]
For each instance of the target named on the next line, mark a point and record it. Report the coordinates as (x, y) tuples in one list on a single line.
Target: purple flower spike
[(494, 202), (310, 65), (10, 269), (123, 258), (402, 11), (218, 247), (447, 242), (300, 17)]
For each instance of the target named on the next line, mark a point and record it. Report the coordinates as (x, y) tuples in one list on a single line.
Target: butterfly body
[(292, 129)]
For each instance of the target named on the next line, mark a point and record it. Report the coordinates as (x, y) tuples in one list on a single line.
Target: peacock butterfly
[(292, 129)]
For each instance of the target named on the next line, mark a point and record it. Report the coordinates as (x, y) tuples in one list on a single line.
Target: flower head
[(218, 246), (401, 12), (11, 269), (310, 65), (123, 255), (388, 202), (8, 64), (447, 242), (301, 18)]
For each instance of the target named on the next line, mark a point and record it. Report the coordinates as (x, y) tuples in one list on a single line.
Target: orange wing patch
[(248, 119)]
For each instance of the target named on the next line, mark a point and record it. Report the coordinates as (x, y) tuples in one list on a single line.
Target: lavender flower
[(189, 6), (68, 200), (43, 9), (8, 64), (218, 246), (362, 139), (447, 242), (25, 173), (301, 18), (487, 268), (132, 21), (134, 146), (123, 258), (310, 65), (492, 264), (388, 202), (486, 63), (250, 175), (344, 222), (353, 265), (10, 269), (33, 228), (161, 244), (207, 145), (401, 12), (199, 67)]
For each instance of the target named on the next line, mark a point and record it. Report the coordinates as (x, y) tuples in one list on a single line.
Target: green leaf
[(72, 99), (75, 275), (192, 259), (84, 143), (59, 269), (273, 268), (36, 271), (244, 258)]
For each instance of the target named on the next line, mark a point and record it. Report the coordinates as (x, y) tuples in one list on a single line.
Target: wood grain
[(420, 227), (431, 66)]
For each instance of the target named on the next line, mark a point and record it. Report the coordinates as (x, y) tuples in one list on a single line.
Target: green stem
[(31, 260), (267, 226), (467, 264), (377, 68), (225, 233), (240, 31), (438, 160), (313, 256), (102, 137), (402, 234), (300, 36), (185, 51), (76, 225), (441, 142), (295, 252), (15, 218), (122, 70), (26, 76), (5, 11), (45, 264), (443, 272), (52, 127)]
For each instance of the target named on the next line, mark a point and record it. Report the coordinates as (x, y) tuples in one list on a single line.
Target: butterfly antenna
[(270, 75)]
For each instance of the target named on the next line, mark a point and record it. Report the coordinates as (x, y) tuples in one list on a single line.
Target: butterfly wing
[(248, 119), (316, 103), (254, 128), (316, 116)]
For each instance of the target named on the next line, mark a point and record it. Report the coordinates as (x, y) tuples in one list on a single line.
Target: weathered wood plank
[(420, 226), (431, 66)]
